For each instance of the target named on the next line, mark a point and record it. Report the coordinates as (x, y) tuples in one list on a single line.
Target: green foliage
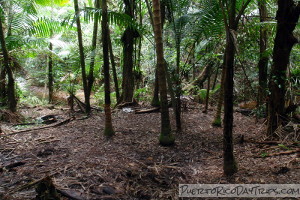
[(202, 92), (264, 154), (142, 94)]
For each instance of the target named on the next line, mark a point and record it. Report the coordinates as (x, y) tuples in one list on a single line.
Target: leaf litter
[(132, 165)]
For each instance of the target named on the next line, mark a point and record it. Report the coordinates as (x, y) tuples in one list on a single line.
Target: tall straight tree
[(287, 18), (108, 130), (12, 102), (263, 57), (82, 58), (50, 74), (231, 21), (90, 78), (166, 138)]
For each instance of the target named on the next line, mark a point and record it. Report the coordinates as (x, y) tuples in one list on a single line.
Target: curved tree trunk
[(12, 102), (287, 18), (166, 138), (108, 130), (82, 58)]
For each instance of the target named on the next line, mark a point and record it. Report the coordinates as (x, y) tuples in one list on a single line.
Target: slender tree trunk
[(217, 120), (263, 58), (155, 100), (90, 79), (50, 74), (108, 130), (166, 138), (12, 102), (193, 60), (207, 95), (287, 18), (178, 87), (82, 58), (113, 67), (3, 93), (215, 79)]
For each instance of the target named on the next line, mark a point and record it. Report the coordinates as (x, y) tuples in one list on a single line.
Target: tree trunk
[(82, 58), (263, 58), (215, 79), (128, 43), (287, 18), (207, 95), (90, 79), (177, 86), (3, 94), (230, 165), (50, 74), (231, 26), (108, 130), (217, 120), (155, 99), (113, 67), (12, 102), (166, 138)]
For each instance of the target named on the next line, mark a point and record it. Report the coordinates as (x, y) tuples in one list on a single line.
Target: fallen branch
[(282, 153), (151, 110), (40, 128)]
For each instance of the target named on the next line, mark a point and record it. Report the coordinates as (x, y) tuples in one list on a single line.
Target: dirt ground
[(132, 165)]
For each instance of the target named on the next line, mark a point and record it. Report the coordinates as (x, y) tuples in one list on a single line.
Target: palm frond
[(116, 18), (45, 27)]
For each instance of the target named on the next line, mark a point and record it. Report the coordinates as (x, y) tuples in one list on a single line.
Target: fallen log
[(151, 110)]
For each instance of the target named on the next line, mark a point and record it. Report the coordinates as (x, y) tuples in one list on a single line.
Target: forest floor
[(132, 165)]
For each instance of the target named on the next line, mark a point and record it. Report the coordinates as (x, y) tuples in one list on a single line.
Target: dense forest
[(128, 99)]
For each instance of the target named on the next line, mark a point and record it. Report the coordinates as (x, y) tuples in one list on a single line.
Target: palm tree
[(166, 138)]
